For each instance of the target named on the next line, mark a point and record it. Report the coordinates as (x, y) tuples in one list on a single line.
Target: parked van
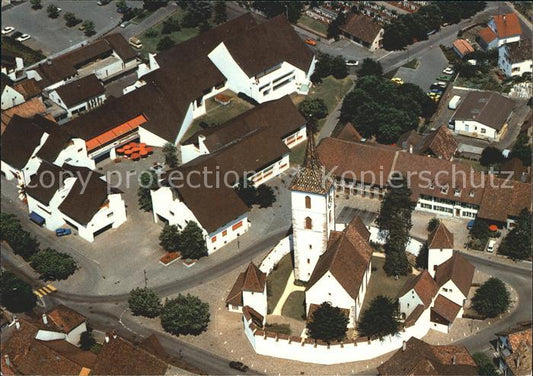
[(136, 43), (454, 102), (490, 246)]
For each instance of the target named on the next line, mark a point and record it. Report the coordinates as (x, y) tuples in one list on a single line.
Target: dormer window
[(457, 192), (444, 190), (432, 185), (471, 194)]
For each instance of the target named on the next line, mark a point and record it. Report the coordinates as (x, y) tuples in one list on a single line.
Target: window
[(308, 223), (225, 232), (310, 246), (307, 202), (236, 225), (213, 239), (308, 261), (483, 130), (110, 215)]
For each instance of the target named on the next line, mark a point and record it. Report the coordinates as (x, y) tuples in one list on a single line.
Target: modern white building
[(514, 59), (483, 114), (66, 321)]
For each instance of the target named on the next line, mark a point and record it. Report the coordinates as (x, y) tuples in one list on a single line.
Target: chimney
[(45, 319), (453, 359), (404, 346), (114, 334), (410, 149), (8, 362), (106, 338), (17, 324)]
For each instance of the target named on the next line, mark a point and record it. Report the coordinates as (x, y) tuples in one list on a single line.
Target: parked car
[(82, 27), (124, 24), (59, 10), (352, 63), (122, 10), (238, 366), (311, 41), (24, 37), (136, 43), (442, 84), (63, 232), (8, 29), (448, 70), (470, 224), (102, 2), (454, 102), (397, 80), (490, 246)]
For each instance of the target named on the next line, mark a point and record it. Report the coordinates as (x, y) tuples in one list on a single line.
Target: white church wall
[(280, 250)]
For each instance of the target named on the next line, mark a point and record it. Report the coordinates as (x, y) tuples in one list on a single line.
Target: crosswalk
[(45, 290)]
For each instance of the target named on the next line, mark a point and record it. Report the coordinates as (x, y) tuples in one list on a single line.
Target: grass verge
[(277, 280)]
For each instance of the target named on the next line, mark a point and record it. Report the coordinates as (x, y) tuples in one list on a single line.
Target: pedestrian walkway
[(289, 288), (48, 289)]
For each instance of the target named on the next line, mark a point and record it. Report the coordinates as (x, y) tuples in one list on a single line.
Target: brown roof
[(445, 308), (347, 257), (359, 225), (440, 142), (424, 286), (28, 88), (519, 362), (45, 183), (28, 109), (515, 168), (311, 176), (507, 25), (463, 46), (414, 315), (268, 44), (440, 238), (121, 46), (409, 139), (486, 107), (487, 34), (503, 199), (361, 27), (519, 51), (349, 133), (65, 318), (252, 279), (458, 270), (421, 358), (281, 116), (79, 91)]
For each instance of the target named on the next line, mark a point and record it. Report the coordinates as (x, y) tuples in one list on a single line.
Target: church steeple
[(312, 174)]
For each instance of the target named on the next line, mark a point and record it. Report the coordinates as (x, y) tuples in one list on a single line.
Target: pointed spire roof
[(312, 174), (440, 238), (254, 279)]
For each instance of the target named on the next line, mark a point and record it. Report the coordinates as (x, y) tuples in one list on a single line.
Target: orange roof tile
[(487, 34), (507, 25)]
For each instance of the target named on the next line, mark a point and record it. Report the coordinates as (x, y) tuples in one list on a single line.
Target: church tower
[(313, 212)]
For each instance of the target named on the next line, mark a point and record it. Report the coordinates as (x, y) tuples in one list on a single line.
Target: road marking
[(45, 290), (51, 288), (37, 293)]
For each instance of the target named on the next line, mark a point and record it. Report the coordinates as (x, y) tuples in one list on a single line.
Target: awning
[(37, 218)]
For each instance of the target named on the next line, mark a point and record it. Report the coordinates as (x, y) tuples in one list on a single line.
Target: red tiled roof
[(487, 34), (458, 270), (445, 308), (507, 25), (440, 238), (349, 133), (65, 318), (114, 133), (424, 286), (463, 46), (252, 279)]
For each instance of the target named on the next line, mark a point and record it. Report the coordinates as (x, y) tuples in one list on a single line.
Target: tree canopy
[(491, 156), (147, 181), (15, 294), (53, 265), (313, 107), (220, 12), (517, 243), (170, 151), (144, 302), (263, 196), (21, 241), (196, 13), (485, 365), (292, 9), (185, 314), (192, 242), (328, 65), (492, 298), (380, 319), (522, 149), (328, 323), (87, 341), (370, 67), (169, 238)]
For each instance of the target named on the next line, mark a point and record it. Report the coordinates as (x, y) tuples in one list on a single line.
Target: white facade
[(23, 176), (312, 221), (256, 300), (75, 154), (409, 302), (11, 98), (476, 129), (276, 168), (437, 256), (451, 291), (13, 72), (513, 69), (445, 207), (77, 108), (281, 80)]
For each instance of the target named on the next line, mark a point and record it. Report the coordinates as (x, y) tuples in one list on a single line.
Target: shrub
[(53, 265), (15, 294), (492, 298), (185, 314), (144, 302)]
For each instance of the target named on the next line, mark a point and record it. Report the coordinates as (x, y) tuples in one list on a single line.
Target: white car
[(24, 37), (490, 246), (448, 70), (8, 29), (352, 63), (59, 10)]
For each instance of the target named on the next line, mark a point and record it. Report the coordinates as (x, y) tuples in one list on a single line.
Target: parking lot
[(430, 66), (52, 35)]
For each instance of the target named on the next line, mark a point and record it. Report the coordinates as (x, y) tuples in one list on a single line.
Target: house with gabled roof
[(363, 30), (440, 247), (454, 278), (439, 143), (501, 29), (420, 290), (11, 97), (249, 290), (514, 350)]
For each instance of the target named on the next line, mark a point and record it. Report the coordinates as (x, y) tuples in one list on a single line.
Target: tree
[(169, 150), (121, 6), (88, 28), (422, 257), (164, 44), (328, 323), (265, 196), (484, 364), (169, 238), (36, 4), (197, 12), (517, 243), (87, 341), (292, 9), (220, 12), (333, 28), (492, 298), (339, 70), (433, 224), (152, 5), (204, 26), (170, 25), (522, 150), (71, 19), (15, 294), (144, 302), (313, 108), (147, 182), (370, 67), (491, 156), (480, 230), (21, 241), (53, 265), (185, 314), (52, 11), (192, 242), (380, 319)]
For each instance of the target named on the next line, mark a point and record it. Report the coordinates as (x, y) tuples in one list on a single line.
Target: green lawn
[(279, 328), (381, 284), (412, 64), (313, 24), (294, 306), (277, 280), (13, 47), (331, 91)]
